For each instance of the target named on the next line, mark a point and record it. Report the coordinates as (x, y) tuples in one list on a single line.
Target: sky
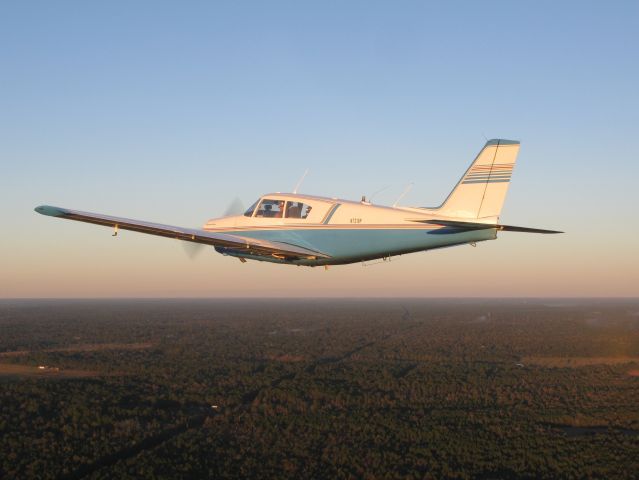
[(168, 111)]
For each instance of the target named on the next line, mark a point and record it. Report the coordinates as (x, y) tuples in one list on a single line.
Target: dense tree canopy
[(319, 389)]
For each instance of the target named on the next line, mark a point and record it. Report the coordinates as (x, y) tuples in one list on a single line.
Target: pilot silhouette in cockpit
[(268, 210)]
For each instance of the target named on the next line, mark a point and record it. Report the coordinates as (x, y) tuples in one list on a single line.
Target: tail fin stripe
[(486, 172), (485, 181), (482, 175), (487, 177), (490, 168), (493, 167)]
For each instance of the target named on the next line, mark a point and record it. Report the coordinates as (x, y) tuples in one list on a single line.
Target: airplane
[(295, 229)]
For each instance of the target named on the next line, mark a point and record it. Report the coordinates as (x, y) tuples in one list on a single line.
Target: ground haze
[(319, 389)]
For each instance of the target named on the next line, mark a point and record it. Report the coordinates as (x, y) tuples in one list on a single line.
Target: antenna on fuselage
[(300, 181), (406, 190), (370, 199)]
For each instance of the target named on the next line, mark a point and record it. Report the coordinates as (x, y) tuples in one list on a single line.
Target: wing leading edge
[(246, 245)]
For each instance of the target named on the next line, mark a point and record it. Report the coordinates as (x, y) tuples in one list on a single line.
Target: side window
[(297, 210), (270, 208)]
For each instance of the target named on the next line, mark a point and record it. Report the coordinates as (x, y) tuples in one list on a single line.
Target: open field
[(576, 362), (319, 389), (90, 347), (8, 369)]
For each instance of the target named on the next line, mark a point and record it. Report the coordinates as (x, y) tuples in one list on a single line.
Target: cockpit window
[(251, 209), (297, 210), (270, 208)]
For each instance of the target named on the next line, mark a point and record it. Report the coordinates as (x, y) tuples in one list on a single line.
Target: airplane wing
[(245, 244), (484, 226)]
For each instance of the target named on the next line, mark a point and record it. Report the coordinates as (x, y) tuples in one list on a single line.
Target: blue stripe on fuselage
[(331, 213), (353, 243)]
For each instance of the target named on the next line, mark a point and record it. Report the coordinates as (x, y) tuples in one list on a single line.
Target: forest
[(321, 389)]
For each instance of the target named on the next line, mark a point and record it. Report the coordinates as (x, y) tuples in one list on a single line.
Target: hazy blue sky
[(166, 111)]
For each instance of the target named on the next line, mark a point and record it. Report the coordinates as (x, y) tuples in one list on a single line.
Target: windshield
[(277, 208), (270, 208)]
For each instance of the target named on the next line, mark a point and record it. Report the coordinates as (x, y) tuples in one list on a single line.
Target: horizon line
[(636, 298)]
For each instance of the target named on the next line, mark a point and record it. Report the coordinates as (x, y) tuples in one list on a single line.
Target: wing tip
[(49, 210)]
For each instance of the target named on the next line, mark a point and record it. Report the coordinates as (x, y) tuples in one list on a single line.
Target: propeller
[(193, 250), (236, 207)]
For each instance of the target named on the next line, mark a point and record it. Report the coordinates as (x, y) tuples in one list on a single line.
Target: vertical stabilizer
[(482, 190)]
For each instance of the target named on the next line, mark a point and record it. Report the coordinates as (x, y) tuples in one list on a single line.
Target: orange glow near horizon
[(134, 265)]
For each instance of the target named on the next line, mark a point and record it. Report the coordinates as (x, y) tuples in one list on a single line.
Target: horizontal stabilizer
[(485, 226)]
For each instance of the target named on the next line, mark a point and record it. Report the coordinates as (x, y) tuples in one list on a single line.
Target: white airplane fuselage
[(345, 231)]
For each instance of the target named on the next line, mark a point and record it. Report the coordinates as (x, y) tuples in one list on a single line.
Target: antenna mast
[(300, 181), (406, 190)]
